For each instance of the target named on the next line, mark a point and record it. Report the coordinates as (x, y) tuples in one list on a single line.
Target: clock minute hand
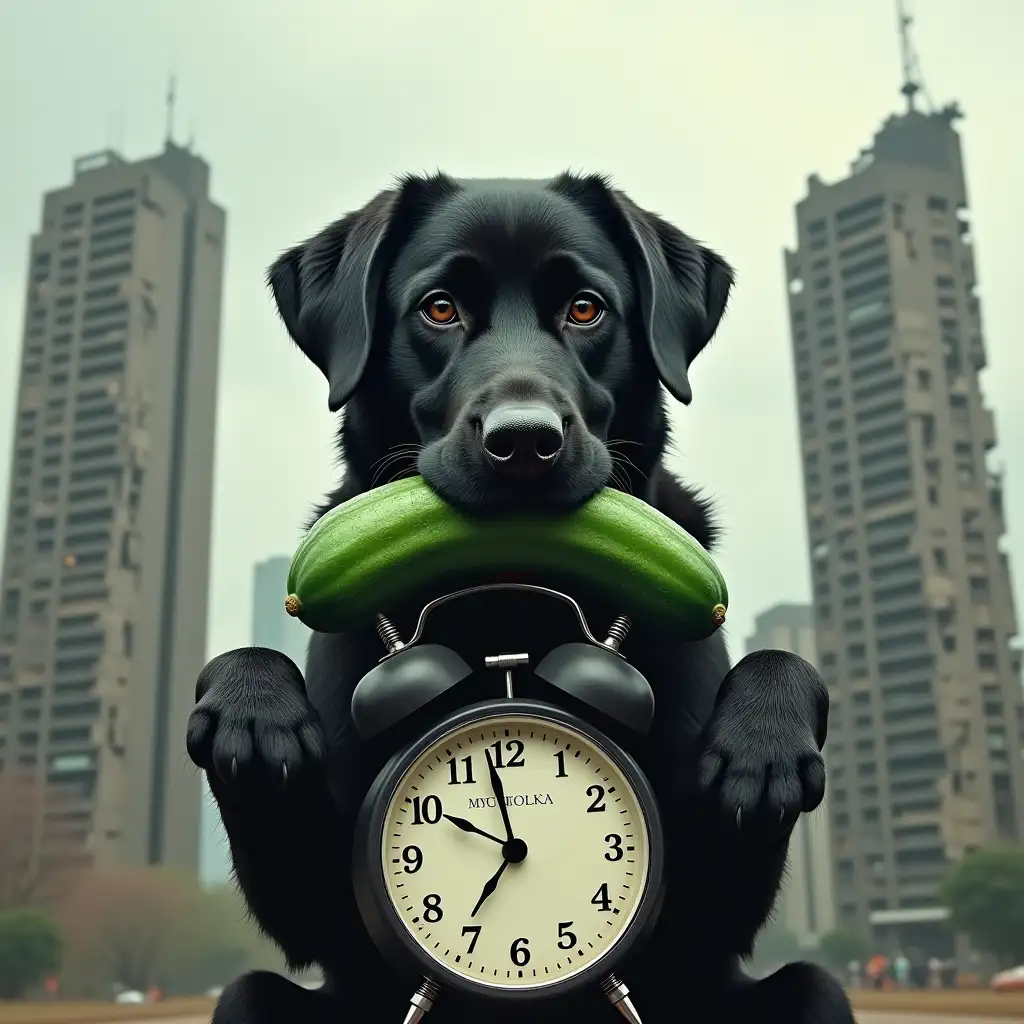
[(468, 826), (499, 795), (489, 886)]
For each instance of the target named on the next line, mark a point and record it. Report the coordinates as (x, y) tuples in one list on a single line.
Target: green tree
[(985, 896), (839, 947), (124, 927), (220, 942), (30, 949), (140, 927)]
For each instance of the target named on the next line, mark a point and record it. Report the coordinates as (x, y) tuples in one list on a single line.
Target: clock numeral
[(597, 792), (566, 938), (616, 852), (560, 758), (601, 898), (432, 911), (426, 810), (453, 772), (515, 748), (413, 857), (474, 930), (519, 952)]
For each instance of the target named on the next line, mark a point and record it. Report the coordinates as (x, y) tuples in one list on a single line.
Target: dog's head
[(514, 330)]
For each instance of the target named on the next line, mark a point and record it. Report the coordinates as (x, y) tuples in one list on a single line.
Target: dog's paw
[(762, 761), (252, 724)]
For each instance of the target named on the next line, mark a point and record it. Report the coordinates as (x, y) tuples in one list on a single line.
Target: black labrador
[(509, 340)]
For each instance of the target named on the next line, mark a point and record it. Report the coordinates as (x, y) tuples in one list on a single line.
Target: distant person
[(901, 970), (876, 970), (853, 968)]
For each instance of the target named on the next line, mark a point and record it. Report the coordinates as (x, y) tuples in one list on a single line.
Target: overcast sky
[(712, 114)]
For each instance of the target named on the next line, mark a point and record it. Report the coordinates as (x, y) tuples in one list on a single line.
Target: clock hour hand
[(490, 886), (468, 826), (499, 794)]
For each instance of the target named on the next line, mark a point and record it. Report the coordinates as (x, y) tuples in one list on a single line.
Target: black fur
[(734, 755)]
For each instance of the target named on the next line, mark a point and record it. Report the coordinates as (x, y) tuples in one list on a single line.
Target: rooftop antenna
[(171, 96), (912, 82)]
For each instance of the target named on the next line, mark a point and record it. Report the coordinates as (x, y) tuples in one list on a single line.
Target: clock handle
[(618, 996), (422, 1001)]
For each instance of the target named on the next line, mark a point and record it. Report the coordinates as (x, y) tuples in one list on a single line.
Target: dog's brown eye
[(585, 309), (439, 309)]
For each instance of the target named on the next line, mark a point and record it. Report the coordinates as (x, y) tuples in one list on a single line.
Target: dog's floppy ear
[(326, 290), (684, 289)]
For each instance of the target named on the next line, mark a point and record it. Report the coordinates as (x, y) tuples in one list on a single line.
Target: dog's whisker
[(624, 475), (408, 471), (379, 478), (399, 449), (625, 460), (405, 446), (393, 460), (395, 457), (383, 469), (621, 478)]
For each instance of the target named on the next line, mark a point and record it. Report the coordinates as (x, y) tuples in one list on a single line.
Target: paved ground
[(206, 1020)]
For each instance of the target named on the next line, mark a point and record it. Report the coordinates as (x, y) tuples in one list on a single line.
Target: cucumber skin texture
[(366, 554)]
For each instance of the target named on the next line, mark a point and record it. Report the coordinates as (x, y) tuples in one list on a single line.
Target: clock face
[(540, 909)]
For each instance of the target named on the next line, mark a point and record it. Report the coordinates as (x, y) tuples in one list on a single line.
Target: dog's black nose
[(522, 440)]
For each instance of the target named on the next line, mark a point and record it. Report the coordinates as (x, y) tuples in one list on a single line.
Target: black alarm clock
[(514, 852)]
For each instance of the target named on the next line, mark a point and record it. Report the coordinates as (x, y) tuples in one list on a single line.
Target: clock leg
[(422, 1001), (618, 996)]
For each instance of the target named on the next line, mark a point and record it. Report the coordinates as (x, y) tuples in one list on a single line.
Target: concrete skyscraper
[(913, 607), (806, 906), (106, 558)]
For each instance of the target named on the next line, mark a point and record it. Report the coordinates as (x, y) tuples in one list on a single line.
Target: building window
[(865, 206), (114, 197)]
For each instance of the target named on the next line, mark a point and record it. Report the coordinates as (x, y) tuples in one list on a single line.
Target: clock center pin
[(514, 851)]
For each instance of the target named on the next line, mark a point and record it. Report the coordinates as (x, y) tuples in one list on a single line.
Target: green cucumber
[(378, 547)]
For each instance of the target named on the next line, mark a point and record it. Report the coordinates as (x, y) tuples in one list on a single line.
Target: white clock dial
[(556, 910)]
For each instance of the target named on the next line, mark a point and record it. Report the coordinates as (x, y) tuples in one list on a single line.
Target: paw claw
[(253, 726), (759, 779)]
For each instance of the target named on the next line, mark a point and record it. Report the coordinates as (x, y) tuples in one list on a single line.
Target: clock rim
[(388, 931)]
